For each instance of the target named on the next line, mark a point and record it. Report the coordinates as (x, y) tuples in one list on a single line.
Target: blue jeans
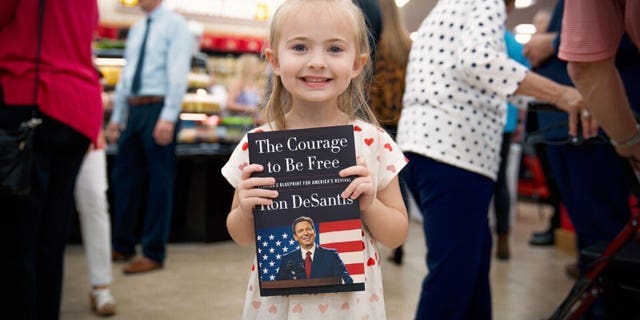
[(454, 203)]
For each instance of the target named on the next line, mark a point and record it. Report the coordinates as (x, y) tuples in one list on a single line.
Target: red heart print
[(256, 304), (273, 309), (245, 146), (251, 288), (371, 262), (323, 307), (391, 168), (253, 267), (242, 165), (259, 130), (368, 141), (297, 309), (356, 128), (374, 297), (345, 306), (388, 146)]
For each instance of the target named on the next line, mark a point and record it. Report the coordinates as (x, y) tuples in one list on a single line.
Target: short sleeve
[(383, 156), (391, 159), (232, 170)]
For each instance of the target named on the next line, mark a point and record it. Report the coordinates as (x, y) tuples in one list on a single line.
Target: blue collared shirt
[(167, 62)]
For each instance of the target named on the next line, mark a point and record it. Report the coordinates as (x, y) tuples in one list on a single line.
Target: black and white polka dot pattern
[(458, 80)]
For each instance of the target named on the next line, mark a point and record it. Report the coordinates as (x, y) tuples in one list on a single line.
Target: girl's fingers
[(249, 169), (357, 187)]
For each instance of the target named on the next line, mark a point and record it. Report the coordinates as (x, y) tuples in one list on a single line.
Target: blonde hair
[(353, 101), (394, 32), (245, 68)]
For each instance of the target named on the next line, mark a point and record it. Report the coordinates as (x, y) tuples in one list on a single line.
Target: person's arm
[(387, 218), (283, 270), (384, 212), (119, 99), (564, 97), (7, 11), (340, 269), (541, 47), (235, 90), (178, 66), (605, 93)]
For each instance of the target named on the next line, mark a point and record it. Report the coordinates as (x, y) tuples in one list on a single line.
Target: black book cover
[(305, 164)]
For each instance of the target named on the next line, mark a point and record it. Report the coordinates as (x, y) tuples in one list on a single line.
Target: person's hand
[(361, 187), (112, 132), (519, 132), (163, 132), (571, 101), (539, 48), (249, 192)]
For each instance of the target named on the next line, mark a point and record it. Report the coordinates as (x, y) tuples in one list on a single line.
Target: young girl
[(319, 71)]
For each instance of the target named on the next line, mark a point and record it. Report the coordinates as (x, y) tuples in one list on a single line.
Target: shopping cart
[(589, 286)]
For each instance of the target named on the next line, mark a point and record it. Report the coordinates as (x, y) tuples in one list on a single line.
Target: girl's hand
[(361, 187), (249, 192)]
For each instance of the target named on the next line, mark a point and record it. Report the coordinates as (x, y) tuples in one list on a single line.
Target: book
[(305, 164)]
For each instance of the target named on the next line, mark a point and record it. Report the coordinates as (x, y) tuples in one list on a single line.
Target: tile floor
[(207, 281)]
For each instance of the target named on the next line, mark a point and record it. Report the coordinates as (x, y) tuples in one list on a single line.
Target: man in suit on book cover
[(311, 261)]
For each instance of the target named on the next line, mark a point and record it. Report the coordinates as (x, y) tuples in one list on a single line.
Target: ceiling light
[(523, 38), (401, 3), (525, 28), (523, 3)]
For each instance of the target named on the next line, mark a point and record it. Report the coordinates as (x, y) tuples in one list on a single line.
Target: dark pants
[(454, 204), (34, 230), (596, 193), (593, 188), (143, 163), (501, 197)]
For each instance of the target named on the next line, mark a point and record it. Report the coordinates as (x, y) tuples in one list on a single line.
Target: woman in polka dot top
[(458, 81)]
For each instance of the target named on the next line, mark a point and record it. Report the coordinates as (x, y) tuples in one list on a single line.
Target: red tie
[(307, 264)]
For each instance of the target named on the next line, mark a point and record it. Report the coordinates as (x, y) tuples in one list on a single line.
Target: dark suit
[(326, 264)]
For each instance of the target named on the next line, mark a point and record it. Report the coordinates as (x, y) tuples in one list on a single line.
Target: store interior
[(528, 286)]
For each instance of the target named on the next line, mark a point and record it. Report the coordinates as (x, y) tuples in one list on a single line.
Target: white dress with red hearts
[(384, 159)]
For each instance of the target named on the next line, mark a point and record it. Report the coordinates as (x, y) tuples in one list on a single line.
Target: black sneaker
[(545, 238)]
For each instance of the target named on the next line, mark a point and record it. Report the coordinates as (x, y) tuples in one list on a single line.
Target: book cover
[(305, 164)]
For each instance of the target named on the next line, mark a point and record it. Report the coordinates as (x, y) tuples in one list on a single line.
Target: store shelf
[(192, 149), (108, 53)]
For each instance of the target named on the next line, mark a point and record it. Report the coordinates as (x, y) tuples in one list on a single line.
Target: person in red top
[(34, 227)]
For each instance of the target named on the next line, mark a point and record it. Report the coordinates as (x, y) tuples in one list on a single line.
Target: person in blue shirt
[(147, 102)]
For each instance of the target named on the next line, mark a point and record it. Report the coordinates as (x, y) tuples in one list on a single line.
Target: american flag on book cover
[(345, 236)]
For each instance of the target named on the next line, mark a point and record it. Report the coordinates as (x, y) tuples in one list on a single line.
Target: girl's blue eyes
[(332, 49)]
